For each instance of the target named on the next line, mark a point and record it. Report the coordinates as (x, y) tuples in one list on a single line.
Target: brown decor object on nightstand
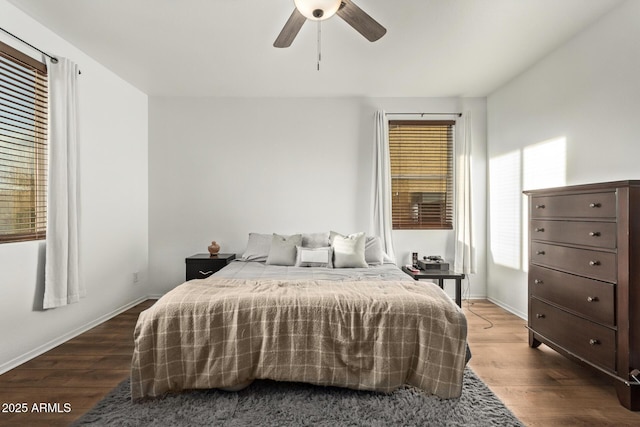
[(214, 248), (584, 278)]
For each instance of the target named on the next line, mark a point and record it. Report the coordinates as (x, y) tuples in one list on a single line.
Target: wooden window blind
[(23, 146), (421, 155)]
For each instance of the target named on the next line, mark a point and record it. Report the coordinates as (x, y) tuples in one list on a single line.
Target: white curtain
[(381, 189), (62, 276), (465, 258)]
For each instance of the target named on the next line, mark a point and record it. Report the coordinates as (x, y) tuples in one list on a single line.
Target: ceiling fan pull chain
[(319, 45)]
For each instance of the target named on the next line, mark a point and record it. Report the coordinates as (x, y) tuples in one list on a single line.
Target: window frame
[(23, 146), (422, 179)]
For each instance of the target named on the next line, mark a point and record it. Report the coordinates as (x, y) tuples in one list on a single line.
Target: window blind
[(23, 146), (421, 156)]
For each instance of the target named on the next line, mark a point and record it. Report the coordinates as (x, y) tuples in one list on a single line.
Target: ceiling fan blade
[(361, 21), (290, 29)]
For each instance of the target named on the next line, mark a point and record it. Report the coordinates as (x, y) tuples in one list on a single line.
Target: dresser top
[(585, 187)]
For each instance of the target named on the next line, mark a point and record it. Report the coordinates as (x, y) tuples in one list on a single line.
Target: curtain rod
[(424, 114), (53, 58)]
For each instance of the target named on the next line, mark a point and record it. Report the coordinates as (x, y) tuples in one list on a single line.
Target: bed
[(369, 328)]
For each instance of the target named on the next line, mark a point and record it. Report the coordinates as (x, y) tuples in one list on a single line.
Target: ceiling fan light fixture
[(317, 10)]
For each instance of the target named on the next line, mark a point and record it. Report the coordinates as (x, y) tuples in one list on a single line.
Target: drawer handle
[(594, 263), (540, 316), (592, 299), (594, 341), (539, 252), (594, 205), (539, 206), (204, 273), (538, 282), (539, 230), (594, 233)]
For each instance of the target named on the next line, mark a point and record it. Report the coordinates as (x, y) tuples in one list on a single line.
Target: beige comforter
[(368, 335)]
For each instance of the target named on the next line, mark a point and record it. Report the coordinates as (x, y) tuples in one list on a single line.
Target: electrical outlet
[(136, 277)]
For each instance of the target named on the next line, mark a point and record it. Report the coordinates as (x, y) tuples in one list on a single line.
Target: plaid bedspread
[(368, 335)]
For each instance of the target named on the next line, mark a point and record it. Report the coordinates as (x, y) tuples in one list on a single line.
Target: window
[(23, 146), (421, 155)]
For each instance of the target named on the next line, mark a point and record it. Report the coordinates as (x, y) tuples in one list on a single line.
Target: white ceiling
[(433, 48)]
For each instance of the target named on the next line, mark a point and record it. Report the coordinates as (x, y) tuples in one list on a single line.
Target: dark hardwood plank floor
[(79, 372), (541, 387)]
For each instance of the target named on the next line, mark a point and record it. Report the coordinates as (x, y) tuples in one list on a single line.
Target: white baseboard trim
[(509, 308), (473, 297), (14, 363)]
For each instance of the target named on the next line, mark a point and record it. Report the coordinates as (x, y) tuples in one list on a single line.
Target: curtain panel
[(62, 266), (464, 255), (381, 185)]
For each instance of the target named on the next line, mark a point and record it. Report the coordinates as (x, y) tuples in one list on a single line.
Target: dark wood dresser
[(584, 277)]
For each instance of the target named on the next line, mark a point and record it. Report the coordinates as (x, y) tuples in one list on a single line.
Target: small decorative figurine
[(214, 248)]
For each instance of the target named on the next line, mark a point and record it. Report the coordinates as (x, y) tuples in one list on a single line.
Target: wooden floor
[(79, 372), (540, 387)]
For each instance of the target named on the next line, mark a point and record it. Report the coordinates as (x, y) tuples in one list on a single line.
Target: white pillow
[(258, 247), (283, 249), (348, 251), (314, 257)]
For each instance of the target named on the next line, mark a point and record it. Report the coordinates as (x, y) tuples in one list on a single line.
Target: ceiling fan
[(319, 10)]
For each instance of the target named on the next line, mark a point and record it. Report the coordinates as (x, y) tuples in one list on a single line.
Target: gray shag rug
[(271, 403)]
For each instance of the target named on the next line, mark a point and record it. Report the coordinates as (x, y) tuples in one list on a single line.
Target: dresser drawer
[(594, 264), (202, 270), (589, 205), (588, 233), (590, 298), (581, 337)]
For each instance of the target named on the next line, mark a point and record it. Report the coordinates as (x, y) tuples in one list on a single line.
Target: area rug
[(270, 403)]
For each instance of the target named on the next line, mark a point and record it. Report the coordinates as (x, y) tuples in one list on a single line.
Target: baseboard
[(14, 363), (473, 297), (509, 308)]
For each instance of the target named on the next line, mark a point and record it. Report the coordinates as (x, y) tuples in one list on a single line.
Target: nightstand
[(439, 276), (200, 266)]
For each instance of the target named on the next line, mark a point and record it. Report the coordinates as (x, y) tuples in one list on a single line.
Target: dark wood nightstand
[(439, 276), (200, 266)]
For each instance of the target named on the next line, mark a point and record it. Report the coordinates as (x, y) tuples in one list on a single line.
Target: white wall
[(114, 209), (220, 168), (581, 105)]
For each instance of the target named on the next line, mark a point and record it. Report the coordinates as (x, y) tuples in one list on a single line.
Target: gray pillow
[(257, 247), (314, 257), (348, 251), (373, 252), (315, 240), (283, 249)]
